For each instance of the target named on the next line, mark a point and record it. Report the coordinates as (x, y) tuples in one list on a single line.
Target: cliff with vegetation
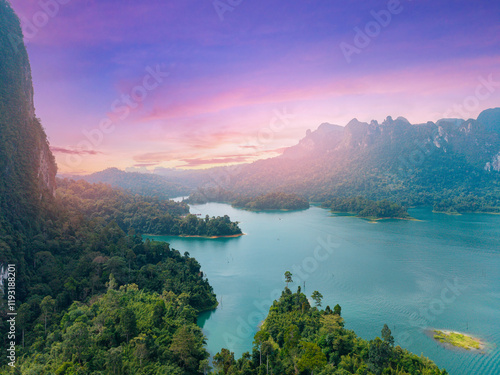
[(27, 167), (90, 297), (452, 164)]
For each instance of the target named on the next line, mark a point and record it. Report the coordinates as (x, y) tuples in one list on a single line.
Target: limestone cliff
[(27, 166)]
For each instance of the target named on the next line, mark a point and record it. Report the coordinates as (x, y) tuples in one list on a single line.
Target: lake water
[(440, 272)]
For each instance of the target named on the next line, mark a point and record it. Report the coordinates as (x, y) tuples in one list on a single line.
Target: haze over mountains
[(414, 164)]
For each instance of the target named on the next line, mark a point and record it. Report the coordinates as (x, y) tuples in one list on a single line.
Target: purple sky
[(183, 84)]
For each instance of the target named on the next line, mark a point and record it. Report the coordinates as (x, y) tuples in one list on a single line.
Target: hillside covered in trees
[(296, 338), (272, 201), (452, 164), (89, 297), (146, 184), (366, 208), (142, 214)]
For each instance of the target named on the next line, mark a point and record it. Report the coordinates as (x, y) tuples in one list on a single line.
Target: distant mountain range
[(147, 184), (412, 164)]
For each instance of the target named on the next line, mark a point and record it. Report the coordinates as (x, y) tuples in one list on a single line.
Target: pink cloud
[(62, 150)]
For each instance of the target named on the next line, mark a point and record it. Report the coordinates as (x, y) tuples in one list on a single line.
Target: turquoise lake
[(439, 272)]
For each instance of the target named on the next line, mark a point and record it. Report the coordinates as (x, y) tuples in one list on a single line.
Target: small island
[(367, 209), (457, 339), (272, 201)]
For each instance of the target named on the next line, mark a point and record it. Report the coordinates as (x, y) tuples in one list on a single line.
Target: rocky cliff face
[(477, 140), (27, 166)]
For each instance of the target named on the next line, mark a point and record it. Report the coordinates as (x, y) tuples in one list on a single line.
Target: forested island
[(366, 208), (142, 214), (268, 201), (272, 201), (489, 204), (296, 338)]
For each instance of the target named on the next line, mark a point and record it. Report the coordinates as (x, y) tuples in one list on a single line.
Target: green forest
[(272, 201), (297, 338), (147, 184), (367, 208), (144, 215), (92, 296), (268, 201)]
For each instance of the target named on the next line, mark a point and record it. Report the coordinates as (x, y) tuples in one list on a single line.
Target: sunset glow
[(132, 84)]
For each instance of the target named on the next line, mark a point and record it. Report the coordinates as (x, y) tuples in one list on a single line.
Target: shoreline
[(371, 218), (432, 333), (271, 209), (467, 212), (195, 236), (389, 218)]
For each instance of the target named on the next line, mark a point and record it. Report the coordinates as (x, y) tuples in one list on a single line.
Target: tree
[(128, 323), (205, 367), (114, 361), (387, 335), (317, 297), (259, 338), (312, 358), (223, 361), (337, 310), (76, 342), (24, 316), (112, 284), (47, 306), (378, 355), (292, 337), (288, 278), (186, 348)]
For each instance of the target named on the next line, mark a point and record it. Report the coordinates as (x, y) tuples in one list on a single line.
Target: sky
[(140, 85)]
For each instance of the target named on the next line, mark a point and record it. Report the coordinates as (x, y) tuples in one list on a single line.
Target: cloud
[(145, 164), (62, 150), (202, 161)]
